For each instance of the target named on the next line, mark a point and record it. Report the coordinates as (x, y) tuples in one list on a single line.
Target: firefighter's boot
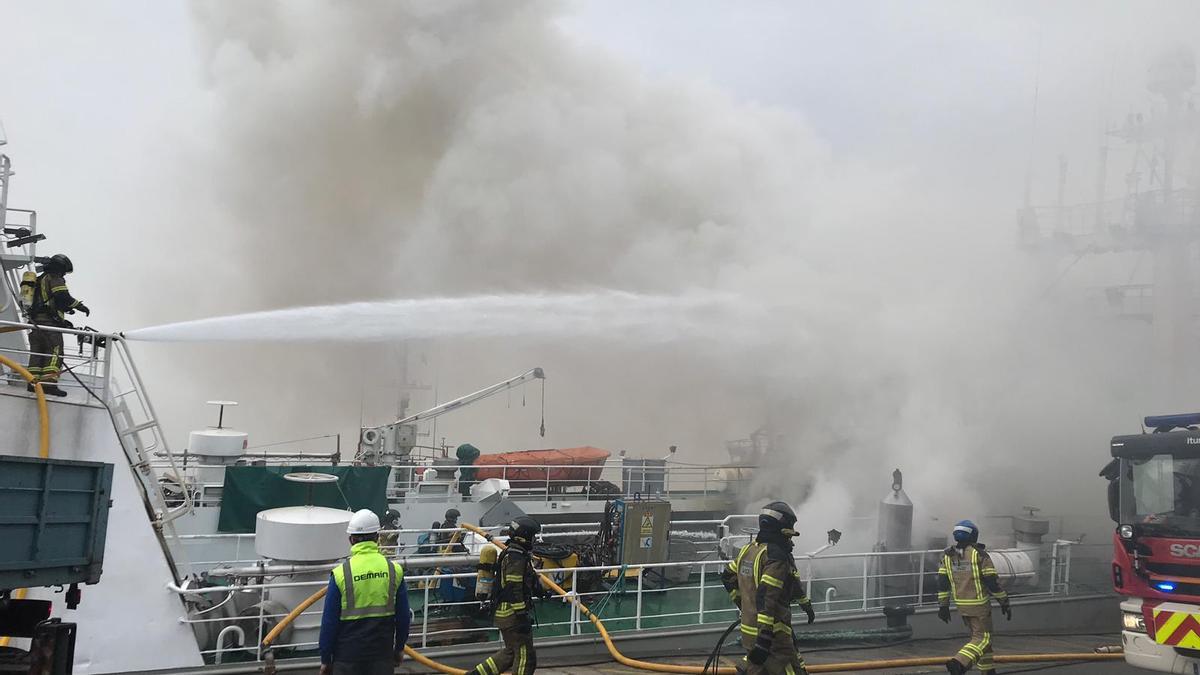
[(48, 389), (954, 667)]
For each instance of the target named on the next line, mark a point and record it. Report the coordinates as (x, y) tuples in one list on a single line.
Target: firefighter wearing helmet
[(511, 585), (763, 581), (968, 576), (49, 303)]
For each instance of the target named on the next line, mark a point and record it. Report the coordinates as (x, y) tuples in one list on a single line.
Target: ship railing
[(82, 370), (240, 545), (1113, 223), (844, 585), (15, 220), (107, 377), (614, 478), (609, 481)]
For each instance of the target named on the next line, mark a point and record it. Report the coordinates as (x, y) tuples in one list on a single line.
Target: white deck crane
[(392, 443)]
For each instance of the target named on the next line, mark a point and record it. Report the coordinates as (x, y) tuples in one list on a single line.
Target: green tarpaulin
[(250, 489)]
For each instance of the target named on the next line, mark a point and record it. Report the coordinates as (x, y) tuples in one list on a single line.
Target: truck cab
[(1154, 498)]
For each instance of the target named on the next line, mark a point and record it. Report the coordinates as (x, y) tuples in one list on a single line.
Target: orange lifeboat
[(557, 468)]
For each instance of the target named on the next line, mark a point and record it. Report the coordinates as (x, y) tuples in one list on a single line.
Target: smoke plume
[(375, 151)]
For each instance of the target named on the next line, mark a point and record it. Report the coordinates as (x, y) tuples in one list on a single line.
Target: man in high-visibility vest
[(516, 585), (51, 303), (365, 622), (763, 580), (968, 576)]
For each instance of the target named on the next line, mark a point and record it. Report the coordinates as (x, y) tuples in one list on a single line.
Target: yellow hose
[(696, 670), (43, 441), (43, 409)]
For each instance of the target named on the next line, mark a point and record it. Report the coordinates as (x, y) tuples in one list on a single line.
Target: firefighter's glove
[(944, 613), (758, 655), (1006, 609), (808, 609), (83, 308)]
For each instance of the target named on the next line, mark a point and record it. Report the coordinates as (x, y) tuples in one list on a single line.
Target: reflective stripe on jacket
[(515, 578), (373, 581), (51, 299), (968, 577), (767, 585)]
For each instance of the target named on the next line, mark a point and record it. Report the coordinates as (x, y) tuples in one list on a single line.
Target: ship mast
[(1161, 220)]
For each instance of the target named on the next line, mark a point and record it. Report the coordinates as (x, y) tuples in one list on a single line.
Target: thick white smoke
[(374, 151)]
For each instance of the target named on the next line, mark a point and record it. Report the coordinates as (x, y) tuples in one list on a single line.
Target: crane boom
[(396, 439), (448, 406)]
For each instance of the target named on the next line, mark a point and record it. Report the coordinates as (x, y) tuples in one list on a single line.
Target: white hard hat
[(364, 521)]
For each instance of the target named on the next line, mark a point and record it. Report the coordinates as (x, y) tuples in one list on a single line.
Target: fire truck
[(1154, 498)]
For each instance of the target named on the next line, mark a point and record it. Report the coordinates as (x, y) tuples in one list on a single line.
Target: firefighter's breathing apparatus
[(674, 668)]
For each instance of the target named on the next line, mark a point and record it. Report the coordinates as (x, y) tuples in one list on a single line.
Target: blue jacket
[(362, 639)]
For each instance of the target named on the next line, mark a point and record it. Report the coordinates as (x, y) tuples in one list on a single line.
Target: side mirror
[(1112, 472)]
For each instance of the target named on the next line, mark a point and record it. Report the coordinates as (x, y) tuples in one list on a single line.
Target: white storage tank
[(218, 443), (302, 534)]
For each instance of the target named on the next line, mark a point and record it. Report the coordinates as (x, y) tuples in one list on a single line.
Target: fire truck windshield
[(1162, 490)]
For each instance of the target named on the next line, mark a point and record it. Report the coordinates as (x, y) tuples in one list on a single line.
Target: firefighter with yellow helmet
[(763, 580), (967, 576)]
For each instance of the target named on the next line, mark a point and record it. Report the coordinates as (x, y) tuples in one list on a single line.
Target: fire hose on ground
[(43, 436), (620, 658)]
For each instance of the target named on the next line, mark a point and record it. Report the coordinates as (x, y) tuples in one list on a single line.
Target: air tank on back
[(895, 524)]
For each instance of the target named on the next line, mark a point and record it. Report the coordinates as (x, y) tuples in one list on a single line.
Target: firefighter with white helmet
[(366, 619)]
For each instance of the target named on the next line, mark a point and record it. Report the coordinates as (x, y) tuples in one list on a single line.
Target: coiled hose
[(690, 670)]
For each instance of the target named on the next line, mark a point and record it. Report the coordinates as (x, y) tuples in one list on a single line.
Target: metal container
[(302, 533), (218, 443), (895, 534), (53, 521)]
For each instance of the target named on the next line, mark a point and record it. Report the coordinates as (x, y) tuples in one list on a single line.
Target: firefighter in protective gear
[(967, 576), (51, 303), (763, 581), (450, 542), (365, 621), (511, 599)]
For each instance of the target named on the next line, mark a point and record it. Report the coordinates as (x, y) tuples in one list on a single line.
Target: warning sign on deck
[(646, 542), (647, 523)]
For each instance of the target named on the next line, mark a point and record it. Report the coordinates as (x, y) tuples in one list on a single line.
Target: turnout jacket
[(763, 581), (968, 576), (516, 584), (51, 300)]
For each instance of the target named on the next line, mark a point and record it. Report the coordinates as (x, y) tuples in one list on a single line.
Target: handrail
[(672, 668), (60, 329)]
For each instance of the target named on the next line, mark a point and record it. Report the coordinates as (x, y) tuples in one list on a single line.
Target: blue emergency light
[(1168, 422), (1165, 586)]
